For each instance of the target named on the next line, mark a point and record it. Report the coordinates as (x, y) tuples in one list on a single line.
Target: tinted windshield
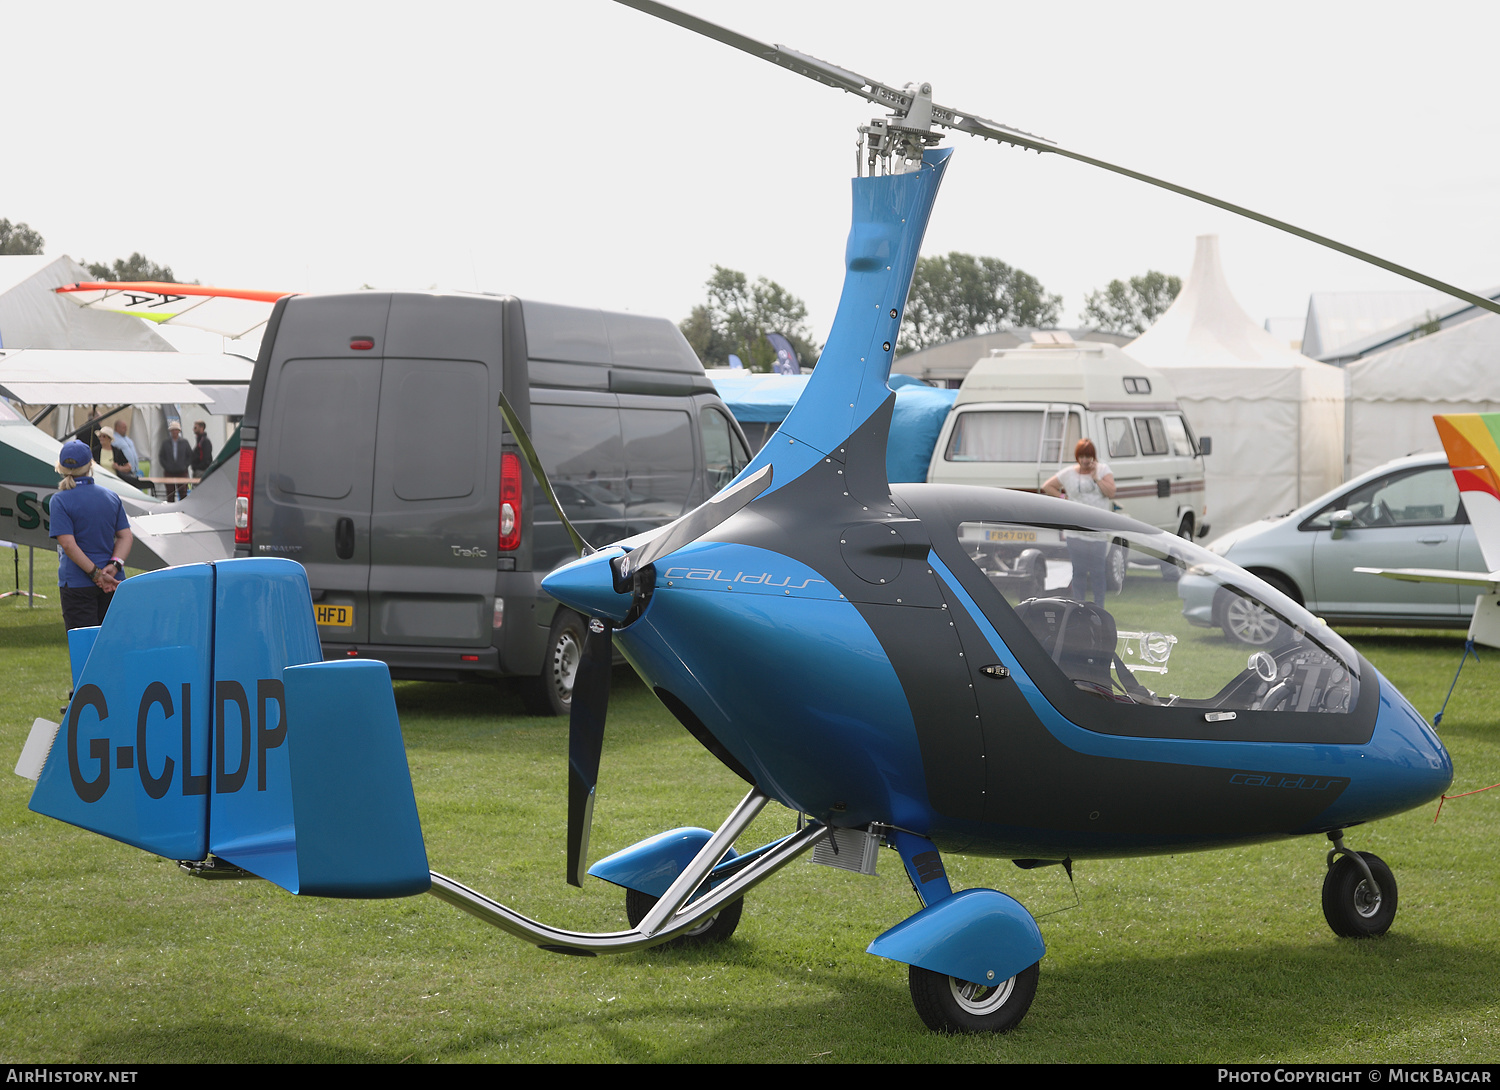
[(1108, 609)]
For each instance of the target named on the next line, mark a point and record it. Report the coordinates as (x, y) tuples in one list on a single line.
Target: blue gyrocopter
[(904, 666)]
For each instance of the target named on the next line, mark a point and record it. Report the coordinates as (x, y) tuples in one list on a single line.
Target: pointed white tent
[(1393, 395), (33, 315), (1276, 417)]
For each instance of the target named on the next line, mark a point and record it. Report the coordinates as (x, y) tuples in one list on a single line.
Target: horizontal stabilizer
[(204, 721), (358, 833)]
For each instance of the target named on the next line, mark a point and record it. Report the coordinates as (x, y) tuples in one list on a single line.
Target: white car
[(1405, 514)]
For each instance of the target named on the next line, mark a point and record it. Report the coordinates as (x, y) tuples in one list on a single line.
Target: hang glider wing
[(232, 312)]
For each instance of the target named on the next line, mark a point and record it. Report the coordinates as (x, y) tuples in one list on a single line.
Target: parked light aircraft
[(196, 529), (846, 646)]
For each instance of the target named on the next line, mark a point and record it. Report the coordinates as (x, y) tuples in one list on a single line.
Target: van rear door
[(316, 452), (436, 492)]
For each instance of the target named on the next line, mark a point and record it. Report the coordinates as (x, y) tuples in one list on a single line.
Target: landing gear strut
[(1359, 892)]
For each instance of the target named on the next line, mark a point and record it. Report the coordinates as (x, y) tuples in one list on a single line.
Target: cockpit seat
[(1080, 637)]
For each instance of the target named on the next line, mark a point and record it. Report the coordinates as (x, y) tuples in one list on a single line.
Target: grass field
[(110, 955)]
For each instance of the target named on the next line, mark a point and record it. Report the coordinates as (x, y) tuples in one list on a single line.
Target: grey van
[(374, 454)]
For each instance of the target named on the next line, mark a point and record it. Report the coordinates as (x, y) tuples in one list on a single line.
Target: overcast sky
[(579, 151)]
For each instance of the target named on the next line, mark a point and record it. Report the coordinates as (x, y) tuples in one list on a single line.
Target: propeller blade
[(697, 522), (899, 102), (586, 741), (528, 451)]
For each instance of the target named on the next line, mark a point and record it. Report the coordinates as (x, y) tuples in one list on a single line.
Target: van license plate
[(1010, 535), (334, 616)]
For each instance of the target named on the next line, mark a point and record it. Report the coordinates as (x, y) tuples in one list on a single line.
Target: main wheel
[(551, 692), (1354, 908), (716, 928), (1114, 569), (949, 1005)]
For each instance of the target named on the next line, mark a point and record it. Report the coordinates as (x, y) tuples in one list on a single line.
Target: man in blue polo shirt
[(93, 538)]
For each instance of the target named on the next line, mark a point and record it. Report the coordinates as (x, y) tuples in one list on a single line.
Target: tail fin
[(203, 720)]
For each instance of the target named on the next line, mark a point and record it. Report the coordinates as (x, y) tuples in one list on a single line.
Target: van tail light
[(244, 491), (510, 503)]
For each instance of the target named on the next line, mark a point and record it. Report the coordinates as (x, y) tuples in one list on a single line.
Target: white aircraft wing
[(42, 376), (1490, 582)]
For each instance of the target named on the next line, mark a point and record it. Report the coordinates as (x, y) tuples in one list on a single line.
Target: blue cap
[(75, 454)]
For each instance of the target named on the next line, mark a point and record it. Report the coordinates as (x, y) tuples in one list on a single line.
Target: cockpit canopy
[(1104, 606), (1092, 605)]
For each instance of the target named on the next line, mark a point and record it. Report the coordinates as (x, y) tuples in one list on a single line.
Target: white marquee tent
[(1393, 395), (32, 315), (1276, 417)]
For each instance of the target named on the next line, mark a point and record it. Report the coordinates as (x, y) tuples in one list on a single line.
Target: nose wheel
[(949, 1005), (1359, 892)]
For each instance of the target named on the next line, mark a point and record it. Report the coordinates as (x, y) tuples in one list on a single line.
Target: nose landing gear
[(1359, 892)]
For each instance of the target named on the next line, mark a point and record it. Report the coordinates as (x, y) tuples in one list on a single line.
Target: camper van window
[(723, 455), (995, 437), (1152, 435), (1191, 437), (1117, 435), (1062, 437), (1177, 435)]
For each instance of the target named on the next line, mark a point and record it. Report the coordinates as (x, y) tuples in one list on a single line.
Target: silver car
[(1405, 514)]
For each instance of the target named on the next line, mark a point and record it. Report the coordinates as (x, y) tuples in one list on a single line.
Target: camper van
[(374, 454), (1021, 411)]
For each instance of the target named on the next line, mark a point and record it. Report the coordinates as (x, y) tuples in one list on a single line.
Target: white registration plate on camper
[(1010, 535), (333, 616)]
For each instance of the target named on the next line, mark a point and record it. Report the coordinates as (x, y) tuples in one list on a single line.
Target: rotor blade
[(899, 102), (697, 522), (992, 132), (586, 740), (529, 452), (892, 98)]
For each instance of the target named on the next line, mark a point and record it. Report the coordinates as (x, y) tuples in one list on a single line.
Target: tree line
[(952, 296), (22, 239)]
